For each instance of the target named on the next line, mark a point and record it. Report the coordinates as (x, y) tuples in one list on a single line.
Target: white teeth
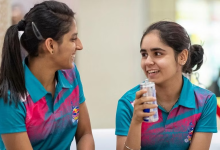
[(153, 71)]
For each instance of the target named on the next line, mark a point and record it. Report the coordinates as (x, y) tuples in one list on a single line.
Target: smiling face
[(158, 59), (64, 53)]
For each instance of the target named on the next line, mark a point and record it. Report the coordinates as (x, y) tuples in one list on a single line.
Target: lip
[(152, 70), (73, 56), (152, 73)]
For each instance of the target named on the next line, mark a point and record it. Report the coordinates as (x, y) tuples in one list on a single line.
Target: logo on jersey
[(190, 133), (75, 114)]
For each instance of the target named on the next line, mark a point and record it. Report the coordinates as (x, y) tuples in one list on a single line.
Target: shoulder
[(12, 104), (204, 97), (130, 95), (201, 93), (192, 91)]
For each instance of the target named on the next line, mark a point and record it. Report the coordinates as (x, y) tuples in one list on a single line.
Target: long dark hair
[(175, 36), (51, 19)]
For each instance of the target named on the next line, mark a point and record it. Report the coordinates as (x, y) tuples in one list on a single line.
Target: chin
[(70, 66), (155, 80)]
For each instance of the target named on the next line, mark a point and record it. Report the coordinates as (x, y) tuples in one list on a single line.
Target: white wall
[(109, 64)]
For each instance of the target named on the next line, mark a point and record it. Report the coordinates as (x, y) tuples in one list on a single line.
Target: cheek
[(166, 62), (167, 65), (143, 64), (163, 63), (67, 46)]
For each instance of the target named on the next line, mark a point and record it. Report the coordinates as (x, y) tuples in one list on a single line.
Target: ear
[(182, 57), (50, 45)]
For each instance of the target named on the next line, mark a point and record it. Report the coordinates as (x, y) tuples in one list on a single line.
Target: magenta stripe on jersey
[(178, 111), (71, 100), (69, 75), (35, 119), (60, 94), (182, 124)]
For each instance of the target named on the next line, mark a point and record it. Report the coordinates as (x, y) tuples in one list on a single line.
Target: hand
[(140, 104)]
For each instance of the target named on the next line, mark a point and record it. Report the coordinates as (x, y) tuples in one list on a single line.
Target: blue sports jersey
[(50, 123), (195, 111)]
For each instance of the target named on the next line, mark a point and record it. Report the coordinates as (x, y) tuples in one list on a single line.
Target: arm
[(205, 126), (120, 142), (133, 139), (201, 141), (17, 141), (84, 138)]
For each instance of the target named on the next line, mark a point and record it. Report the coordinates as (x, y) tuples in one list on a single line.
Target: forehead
[(152, 40), (72, 29), (72, 33), (73, 26)]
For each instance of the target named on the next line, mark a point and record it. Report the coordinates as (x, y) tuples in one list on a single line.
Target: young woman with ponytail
[(42, 105), (187, 113)]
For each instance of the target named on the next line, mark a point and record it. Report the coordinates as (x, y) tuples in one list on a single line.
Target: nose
[(149, 61), (79, 45)]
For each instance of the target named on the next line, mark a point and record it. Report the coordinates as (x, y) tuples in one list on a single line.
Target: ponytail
[(12, 81), (195, 59)]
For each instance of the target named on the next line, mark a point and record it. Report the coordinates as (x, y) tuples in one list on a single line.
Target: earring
[(52, 52)]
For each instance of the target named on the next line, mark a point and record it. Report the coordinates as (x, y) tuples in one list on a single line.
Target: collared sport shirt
[(195, 111), (50, 123)]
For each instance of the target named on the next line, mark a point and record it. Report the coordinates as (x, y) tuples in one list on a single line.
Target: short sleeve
[(81, 93), (12, 118), (207, 121), (123, 117)]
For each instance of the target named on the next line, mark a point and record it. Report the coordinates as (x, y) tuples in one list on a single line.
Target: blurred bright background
[(110, 31)]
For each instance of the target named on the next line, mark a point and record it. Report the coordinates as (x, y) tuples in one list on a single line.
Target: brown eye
[(144, 54), (73, 40), (158, 53)]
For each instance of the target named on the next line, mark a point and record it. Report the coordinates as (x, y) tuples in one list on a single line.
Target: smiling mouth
[(152, 71), (73, 56)]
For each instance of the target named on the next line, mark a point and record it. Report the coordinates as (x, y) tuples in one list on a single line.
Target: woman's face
[(158, 59), (66, 51)]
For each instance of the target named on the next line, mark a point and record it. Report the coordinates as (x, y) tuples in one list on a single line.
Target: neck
[(42, 70), (169, 91)]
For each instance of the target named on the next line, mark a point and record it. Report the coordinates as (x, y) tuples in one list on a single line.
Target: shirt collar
[(33, 86), (64, 83), (36, 89), (187, 97)]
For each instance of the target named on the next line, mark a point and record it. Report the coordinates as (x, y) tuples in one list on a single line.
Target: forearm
[(133, 140), (86, 142)]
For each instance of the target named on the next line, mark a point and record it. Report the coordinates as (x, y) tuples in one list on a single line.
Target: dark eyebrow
[(74, 34), (152, 49), (142, 50), (157, 49)]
